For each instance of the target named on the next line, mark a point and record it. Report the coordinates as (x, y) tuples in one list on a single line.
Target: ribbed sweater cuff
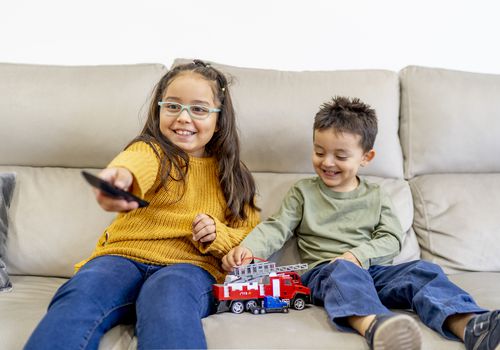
[(220, 246)]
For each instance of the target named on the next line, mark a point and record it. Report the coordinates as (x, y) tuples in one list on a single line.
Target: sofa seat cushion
[(456, 220), (22, 309)]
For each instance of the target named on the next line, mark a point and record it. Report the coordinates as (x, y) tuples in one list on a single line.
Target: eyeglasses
[(174, 109)]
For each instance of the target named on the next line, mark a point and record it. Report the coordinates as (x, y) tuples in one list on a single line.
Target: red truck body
[(237, 296)]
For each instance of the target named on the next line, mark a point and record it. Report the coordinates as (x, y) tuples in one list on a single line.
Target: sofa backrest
[(450, 133), (58, 120), (54, 122), (275, 111)]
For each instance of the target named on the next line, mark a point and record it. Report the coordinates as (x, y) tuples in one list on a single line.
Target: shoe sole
[(398, 333)]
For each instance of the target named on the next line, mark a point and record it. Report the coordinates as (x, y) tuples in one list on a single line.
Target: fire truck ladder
[(253, 271)]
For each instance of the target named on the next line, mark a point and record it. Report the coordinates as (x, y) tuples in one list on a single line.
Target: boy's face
[(337, 157)]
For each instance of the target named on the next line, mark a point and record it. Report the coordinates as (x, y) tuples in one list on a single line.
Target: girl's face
[(190, 135)]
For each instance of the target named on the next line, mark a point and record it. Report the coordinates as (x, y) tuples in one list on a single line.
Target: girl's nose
[(184, 116)]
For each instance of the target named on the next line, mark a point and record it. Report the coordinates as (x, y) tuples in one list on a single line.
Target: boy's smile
[(337, 157)]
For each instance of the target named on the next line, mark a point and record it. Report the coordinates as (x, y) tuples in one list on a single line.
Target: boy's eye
[(341, 158), (319, 154), (200, 110)]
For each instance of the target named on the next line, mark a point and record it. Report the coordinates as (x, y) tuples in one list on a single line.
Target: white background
[(280, 34)]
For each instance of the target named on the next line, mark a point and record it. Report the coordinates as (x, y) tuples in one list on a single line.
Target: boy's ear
[(367, 157)]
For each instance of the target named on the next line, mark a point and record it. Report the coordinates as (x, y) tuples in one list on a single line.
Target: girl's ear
[(368, 157)]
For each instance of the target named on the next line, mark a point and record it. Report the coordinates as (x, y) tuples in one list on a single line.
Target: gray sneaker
[(394, 332), (483, 332)]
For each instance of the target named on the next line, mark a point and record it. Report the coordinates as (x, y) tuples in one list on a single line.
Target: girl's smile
[(183, 132)]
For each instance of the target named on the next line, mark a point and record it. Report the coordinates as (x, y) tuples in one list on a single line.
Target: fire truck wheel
[(237, 307), (251, 304), (299, 303)]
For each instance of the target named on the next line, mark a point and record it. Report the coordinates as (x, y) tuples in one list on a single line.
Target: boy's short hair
[(349, 115)]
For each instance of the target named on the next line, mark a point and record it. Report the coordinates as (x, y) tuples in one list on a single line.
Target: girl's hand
[(204, 228), (349, 257), (121, 178), (235, 257)]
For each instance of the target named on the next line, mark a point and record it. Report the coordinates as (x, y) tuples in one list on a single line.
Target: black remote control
[(112, 191)]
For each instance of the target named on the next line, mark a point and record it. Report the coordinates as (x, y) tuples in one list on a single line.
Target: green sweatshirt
[(328, 224)]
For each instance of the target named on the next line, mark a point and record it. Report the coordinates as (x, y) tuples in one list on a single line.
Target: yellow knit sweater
[(161, 233)]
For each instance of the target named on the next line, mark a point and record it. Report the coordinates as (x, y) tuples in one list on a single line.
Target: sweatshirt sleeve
[(270, 235), (386, 239), (141, 160), (228, 236)]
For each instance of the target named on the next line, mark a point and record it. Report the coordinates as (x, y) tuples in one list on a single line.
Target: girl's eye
[(172, 107), (200, 110)]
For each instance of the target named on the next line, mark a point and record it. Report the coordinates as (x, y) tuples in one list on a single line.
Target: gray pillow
[(7, 183)]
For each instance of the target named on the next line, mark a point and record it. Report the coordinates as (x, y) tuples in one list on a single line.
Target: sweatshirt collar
[(342, 195)]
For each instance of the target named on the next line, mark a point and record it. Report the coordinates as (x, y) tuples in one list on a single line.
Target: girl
[(156, 265)]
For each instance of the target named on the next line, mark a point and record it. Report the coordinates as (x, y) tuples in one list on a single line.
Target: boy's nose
[(329, 162)]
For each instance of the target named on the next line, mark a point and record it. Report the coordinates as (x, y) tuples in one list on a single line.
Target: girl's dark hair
[(235, 179), (349, 115)]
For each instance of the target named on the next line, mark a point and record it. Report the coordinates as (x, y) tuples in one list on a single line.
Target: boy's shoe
[(483, 332), (394, 332)]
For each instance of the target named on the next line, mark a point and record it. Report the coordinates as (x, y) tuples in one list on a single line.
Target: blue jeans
[(166, 302), (345, 289)]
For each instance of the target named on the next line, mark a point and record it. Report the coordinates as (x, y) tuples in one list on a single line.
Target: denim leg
[(345, 290), (423, 287), (97, 298), (170, 307)]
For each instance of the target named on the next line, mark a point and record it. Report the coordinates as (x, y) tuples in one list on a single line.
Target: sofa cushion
[(306, 329), (450, 121), (24, 307), (7, 183), (456, 220), (275, 112), (55, 221), (72, 116)]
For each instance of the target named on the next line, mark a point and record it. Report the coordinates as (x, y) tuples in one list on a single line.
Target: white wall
[(284, 34)]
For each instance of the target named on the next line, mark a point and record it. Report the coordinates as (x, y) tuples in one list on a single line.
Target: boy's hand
[(236, 257), (204, 228), (121, 178), (349, 257)]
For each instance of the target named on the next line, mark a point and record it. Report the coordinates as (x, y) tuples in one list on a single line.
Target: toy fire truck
[(262, 287)]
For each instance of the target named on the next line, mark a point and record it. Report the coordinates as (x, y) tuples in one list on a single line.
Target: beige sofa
[(437, 155)]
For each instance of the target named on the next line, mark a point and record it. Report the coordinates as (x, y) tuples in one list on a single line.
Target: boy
[(348, 233)]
